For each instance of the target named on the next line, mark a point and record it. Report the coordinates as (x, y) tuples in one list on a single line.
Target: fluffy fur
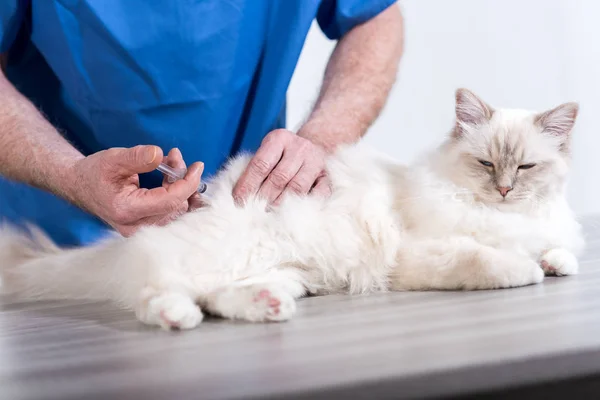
[(442, 223)]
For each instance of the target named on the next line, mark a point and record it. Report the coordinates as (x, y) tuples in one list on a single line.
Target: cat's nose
[(504, 190)]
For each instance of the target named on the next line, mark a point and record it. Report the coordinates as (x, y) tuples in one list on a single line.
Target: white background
[(531, 54)]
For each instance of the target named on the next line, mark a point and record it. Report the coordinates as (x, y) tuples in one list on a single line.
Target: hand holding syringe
[(175, 175)]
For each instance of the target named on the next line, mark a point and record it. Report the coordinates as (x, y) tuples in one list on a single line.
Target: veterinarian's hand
[(284, 163), (107, 184), (175, 160)]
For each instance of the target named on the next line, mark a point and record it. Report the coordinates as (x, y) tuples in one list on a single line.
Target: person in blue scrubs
[(93, 91)]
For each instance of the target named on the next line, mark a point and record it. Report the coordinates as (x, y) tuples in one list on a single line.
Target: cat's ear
[(559, 122), (470, 111)]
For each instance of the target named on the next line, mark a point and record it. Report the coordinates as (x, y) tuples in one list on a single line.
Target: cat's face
[(510, 157)]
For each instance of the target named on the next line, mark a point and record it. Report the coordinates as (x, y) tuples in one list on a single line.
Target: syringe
[(178, 174)]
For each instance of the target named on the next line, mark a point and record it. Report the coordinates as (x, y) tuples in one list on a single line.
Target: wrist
[(329, 134), (64, 178)]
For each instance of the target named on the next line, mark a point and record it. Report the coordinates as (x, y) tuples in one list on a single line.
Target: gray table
[(398, 345)]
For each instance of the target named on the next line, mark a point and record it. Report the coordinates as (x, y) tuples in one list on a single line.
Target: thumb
[(139, 159)]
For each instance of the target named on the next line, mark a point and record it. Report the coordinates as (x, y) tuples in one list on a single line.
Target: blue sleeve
[(336, 17), (12, 13)]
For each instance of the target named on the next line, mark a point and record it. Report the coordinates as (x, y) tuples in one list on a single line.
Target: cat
[(484, 210)]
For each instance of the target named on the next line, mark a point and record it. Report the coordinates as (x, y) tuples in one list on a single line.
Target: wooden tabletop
[(398, 345)]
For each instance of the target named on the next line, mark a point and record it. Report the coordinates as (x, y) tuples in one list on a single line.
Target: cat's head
[(506, 156)]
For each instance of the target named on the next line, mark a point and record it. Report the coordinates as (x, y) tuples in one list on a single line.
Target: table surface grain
[(412, 345)]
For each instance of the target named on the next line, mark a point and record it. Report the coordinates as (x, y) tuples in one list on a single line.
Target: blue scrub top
[(209, 77)]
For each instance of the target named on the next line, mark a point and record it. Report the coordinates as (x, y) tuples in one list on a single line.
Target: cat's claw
[(559, 262)]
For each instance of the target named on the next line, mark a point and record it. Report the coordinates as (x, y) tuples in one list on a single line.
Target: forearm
[(31, 149), (357, 81)]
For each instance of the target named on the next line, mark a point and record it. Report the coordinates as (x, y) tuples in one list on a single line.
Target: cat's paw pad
[(173, 311), (559, 262), (268, 304), (256, 302)]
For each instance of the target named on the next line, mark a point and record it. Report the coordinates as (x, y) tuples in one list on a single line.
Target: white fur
[(559, 262), (386, 227)]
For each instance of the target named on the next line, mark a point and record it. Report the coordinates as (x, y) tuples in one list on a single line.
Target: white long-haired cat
[(485, 210)]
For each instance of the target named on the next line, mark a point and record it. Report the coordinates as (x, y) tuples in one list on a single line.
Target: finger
[(135, 160), (301, 183), (174, 160), (195, 202), (126, 230), (166, 219), (305, 179), (260, 166), (158, 220), (279, 178), (322, 187), (163, 201)]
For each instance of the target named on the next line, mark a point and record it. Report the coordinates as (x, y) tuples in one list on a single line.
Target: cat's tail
[(32, 267)]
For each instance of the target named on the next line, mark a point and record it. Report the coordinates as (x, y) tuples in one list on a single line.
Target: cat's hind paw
[(559, 262), (254, 302), (170, 311), (269, 305)]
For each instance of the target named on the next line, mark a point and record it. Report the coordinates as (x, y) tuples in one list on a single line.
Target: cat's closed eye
[(486, 163), (526, 166)]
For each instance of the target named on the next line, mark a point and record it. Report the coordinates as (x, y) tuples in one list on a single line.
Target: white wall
[(514, 53)]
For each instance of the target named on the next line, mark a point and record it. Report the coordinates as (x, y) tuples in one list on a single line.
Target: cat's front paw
[(170, 311), (559, 262), (522, 272)]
